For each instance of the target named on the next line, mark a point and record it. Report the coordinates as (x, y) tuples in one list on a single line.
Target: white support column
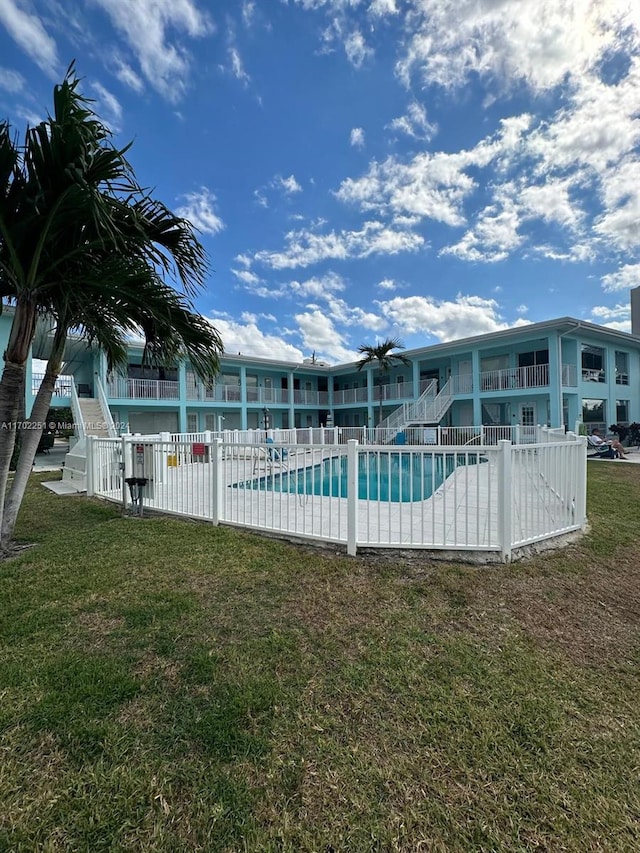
[(217, 490), (504, 499), (352, 496)]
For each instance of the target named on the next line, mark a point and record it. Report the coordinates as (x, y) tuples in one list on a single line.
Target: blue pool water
[(394, 476)]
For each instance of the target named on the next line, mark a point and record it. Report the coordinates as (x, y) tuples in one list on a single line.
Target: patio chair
[(601, 450)]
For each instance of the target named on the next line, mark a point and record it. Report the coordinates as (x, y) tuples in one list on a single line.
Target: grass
[(168, 686)]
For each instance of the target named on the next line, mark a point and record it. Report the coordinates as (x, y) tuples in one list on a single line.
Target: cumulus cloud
[(618, 317), (356, 138), (319, 334), (199, 208), (248, 339), (289, 186), (445, 320), (356, 48), (414, 123), (539, 42), (305, 247), (627, 276)]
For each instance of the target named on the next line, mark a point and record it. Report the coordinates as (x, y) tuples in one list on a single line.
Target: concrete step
[(62, 487)]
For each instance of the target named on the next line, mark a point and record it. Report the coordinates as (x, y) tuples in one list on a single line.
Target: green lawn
[(168, 686)]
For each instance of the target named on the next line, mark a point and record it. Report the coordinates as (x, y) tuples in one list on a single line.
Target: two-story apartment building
[(556, 372)]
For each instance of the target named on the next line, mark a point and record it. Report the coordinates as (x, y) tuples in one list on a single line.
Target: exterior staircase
[(429, 408), (90, 419)]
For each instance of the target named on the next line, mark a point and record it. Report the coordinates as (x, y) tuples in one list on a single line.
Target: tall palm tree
[(82, 243), (382, 355)]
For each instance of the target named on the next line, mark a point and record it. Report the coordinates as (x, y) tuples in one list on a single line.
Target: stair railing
[(104, 405), (76, 411)]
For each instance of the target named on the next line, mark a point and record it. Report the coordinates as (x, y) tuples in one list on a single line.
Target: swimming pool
[(382, 476)]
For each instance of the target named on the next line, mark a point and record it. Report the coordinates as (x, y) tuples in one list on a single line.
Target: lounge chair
[(602, 450)]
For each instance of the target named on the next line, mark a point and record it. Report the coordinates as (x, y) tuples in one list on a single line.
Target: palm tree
[(383, 356), (82, 243)]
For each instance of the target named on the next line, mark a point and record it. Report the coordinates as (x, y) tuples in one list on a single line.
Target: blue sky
[(421, 169)]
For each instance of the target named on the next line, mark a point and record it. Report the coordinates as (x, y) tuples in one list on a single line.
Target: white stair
[(428, 409), (75, 464)]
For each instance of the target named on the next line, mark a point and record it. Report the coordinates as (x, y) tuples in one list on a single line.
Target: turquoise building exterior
[(558, 372)]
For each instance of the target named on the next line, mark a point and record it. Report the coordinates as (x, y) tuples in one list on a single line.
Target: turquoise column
[(416, 379), (475, 372), (555, 381), (243, 397), (292, 408)]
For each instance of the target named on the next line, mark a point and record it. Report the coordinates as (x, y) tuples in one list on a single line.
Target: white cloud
[(444, 319), (387, 284), (356, 48), (305, 248), (356, 137), (248, 12), (107, 106), (431, 185), (627, 276), (414, 123), (11, 81), (248, 339), (236, 66), (150, 28), (493, 237), (289, 185), (618, 317), (199, 209), (247, 277), (539, 42), (28, 31), (319, 334), (125, 74), (380, 8)]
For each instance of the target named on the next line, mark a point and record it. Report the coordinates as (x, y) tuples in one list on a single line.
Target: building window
[(622, 411), (192, 422), (594, 411), (622, 368), (593, 369), (210, 423)]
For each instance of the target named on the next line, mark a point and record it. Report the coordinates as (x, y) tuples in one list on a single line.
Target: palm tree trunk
[(30, 441), (12, 386)]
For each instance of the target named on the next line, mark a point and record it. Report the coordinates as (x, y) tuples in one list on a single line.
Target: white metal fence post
[(352, 496), (581, 483), (90, 465), (126, 472), (217, 495), (504, 499)]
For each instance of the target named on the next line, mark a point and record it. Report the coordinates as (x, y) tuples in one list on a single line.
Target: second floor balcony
[(124, 388)]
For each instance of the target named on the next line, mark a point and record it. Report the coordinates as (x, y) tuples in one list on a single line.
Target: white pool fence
[(468, 497)]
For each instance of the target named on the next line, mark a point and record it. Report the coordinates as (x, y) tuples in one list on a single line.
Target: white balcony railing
[(125, 388), (350, 395), (512, 378), (62, 387)]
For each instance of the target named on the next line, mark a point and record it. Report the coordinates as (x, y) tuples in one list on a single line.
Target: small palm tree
[(384, 357)]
